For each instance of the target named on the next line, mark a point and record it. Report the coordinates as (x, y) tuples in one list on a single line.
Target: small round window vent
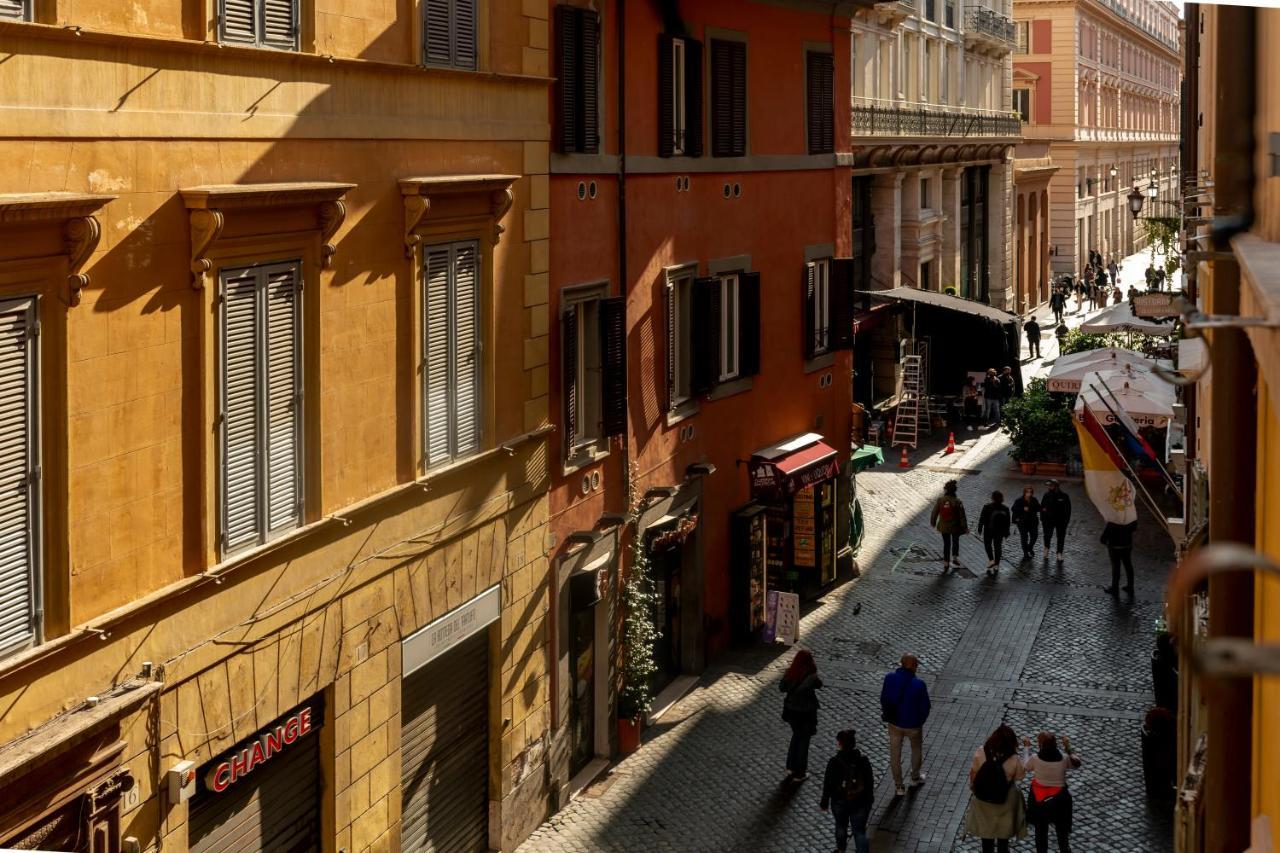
[(737, 190), (591, 189), (582, 190), (728, 190), (586, 484), (595, 480)]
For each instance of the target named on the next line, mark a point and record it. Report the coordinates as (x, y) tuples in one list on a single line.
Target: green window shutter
[(19, 475)]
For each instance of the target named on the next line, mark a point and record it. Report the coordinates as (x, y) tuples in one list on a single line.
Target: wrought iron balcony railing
[(989, 23), (871, 120)]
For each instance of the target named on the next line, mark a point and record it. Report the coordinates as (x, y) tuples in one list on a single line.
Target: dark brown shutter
[(613, 374), (666, 96), (692, 98), (569, 367), (705, 334), (840, 299), (820, 73), (810, 303), (567, 22), (721, 99), (748, 323), (738, 58), (673, 341), (589, 119)]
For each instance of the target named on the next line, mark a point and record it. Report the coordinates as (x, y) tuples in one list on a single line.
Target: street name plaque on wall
[(1153, 306), (433, 640)]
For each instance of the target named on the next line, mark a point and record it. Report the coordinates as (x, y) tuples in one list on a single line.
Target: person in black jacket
[(1026, 515), (848, 790), (994, 525), (800, 711), (1055, 514), (1032, 330), (1119, 541)]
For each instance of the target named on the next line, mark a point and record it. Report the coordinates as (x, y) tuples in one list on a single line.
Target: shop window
[(260, 403), (578, 80), (452, 364), (820, 102), (728, 98), (20, 485), (679, 96), (679, 311), (449, 33), (592, 355), (260, 23), (1022, 104)]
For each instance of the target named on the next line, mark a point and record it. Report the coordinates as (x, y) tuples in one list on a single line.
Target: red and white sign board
[(249, 757)]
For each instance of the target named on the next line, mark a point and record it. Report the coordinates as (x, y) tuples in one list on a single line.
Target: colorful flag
[(1104, 479)]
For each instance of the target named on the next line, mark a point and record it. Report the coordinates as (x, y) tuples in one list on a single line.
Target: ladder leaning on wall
[(913, 408)]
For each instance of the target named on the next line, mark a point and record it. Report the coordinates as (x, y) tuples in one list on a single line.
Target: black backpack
[(990, 784), (855, 784), (1000, 520)]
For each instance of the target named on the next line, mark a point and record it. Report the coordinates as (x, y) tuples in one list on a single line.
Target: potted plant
[(950, 290), (1039, 428), (635, 696)]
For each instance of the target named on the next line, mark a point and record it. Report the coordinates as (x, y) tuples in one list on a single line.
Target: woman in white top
[(1049, 801)]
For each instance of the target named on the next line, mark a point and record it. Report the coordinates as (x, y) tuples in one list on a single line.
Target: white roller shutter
[(19, 474)]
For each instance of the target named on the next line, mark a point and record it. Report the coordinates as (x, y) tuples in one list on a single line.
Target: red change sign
[(241, 762)]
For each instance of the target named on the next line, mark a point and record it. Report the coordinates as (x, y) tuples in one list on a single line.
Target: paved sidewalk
[(1040, 646)]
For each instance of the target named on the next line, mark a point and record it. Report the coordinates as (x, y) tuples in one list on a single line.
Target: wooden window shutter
[(721, 100), (693, 98), (283, 397), (567, 20), (464, 34), (238, 22), (588, 104), (437, 36), (435, 351), (810, 308), (841, 298), (239, 423), (280, 24), (666, 96), (19, 473), (705, 334), (673, 342), (738, 62), (748, 323), (467, 348), (14, 10), (820, 73), (569, 374), (613, 374)]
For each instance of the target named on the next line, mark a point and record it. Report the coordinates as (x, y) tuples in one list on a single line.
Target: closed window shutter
[(705, 336), (721, 100), (840, 293), (692, 98), (283, 392), (437, 36), (613, 375), (466, 371), (589, 102), (240, 421), (748, 324), (666, 96), (239, 22), (567, 23), (14, 10), (464, 34), (738, 61), (673, 342), (810, 309), (280, 24), (569, 374), (435, 369), (19, 462), (821, 102)]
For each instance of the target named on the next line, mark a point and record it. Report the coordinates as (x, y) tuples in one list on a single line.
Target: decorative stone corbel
[(416, 208), (206, 227), (331, 215), (419, 192), (501, 203), (82, 234)]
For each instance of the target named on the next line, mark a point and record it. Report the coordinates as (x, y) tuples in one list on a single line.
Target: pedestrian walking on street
[(1115, 270), (1026, 515), (800, 711), (993, 527), (1008, 386), (1058, 302), (1116, 295), (1055, 515), (1119, 541), (969, 398), (904, 705), (1032, 330), (848, 790), (1049, 803), (996, 809), (948, 518), (992, 395)]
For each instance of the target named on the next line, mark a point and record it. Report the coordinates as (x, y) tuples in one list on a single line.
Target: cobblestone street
[(1037, 647)]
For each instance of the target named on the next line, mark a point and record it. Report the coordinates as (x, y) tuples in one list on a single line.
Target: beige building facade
[(274, 546), (1098, 81)]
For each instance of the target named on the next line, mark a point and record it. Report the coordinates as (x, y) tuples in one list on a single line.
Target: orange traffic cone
[(951, 443), (903, 462)]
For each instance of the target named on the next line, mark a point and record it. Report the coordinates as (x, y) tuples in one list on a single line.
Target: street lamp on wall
[(1153, 191), (1135, 202), (1114, 171)]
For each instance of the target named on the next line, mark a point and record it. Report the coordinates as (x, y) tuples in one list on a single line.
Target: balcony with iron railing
[(987, 29), (894, 12), (889, 119), (1115, 6)]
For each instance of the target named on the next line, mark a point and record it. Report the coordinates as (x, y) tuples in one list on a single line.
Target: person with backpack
[(1049, 801), (996, 809), (993, 526), (800, 711), (1119, 541), (1026, 516), (904, 706), (1055, 514), (848, 790), (948, 518)]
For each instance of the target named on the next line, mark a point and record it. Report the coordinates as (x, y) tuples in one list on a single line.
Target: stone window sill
[(730, 388), (820, 362)]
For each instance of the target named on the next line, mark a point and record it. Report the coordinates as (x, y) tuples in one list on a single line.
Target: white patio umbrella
[(1148, 406), (1120, 318), (1068, 370)]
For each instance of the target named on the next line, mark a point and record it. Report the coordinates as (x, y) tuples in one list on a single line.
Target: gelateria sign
[(249, 757)]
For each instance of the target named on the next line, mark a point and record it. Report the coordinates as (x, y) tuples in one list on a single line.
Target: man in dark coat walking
[(848, 790), (1032, 330), (1058, 302), (1119, 541), (1055, 512)]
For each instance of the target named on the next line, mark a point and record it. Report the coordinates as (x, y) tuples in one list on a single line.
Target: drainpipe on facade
[(620, 14)]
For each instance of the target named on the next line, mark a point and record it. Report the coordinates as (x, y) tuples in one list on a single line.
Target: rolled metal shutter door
[(275, 809), (444, 752)]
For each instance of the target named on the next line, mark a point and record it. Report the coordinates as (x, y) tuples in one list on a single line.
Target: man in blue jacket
[(904, 705)]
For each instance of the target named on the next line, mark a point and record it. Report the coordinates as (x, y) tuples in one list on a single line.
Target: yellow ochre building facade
[(273, 378)]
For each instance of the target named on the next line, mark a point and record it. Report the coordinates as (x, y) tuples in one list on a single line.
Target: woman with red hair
[(800, 711)]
